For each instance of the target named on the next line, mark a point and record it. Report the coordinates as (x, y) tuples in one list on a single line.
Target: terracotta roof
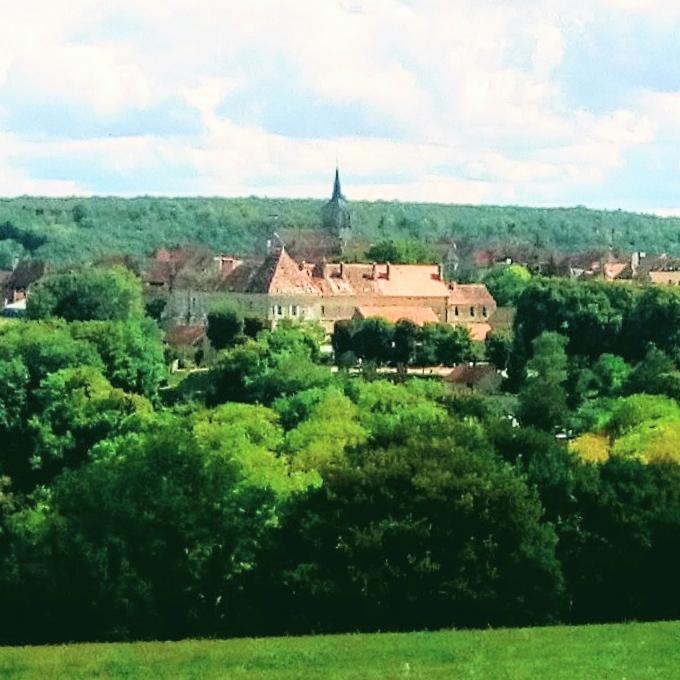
[(240, 279), (280, 274), (185, 335), (470, 374), (391, 280), (478, 331), (418, 315), (182, 268), (470, 294)]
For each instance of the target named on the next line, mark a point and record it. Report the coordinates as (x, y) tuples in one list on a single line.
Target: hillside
[(79, 230), (640, 651)]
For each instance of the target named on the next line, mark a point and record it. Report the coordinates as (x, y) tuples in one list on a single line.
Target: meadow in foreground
[(640, 651)]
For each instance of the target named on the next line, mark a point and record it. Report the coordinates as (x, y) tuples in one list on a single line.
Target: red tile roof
[(390, 280), (470, 294), (478, 331), (280, 274)]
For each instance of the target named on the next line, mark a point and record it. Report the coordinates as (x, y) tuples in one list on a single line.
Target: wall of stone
[(188, 307)]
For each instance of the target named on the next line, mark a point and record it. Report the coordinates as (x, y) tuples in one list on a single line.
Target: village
[(307, 280)]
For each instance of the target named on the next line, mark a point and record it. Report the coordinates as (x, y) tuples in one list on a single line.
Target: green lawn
[(631, 652)]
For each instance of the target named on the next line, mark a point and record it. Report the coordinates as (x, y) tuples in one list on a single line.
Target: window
[(279, 310), (472, 311), (484, 312), (294, 310), (323, 310), (455, 311)]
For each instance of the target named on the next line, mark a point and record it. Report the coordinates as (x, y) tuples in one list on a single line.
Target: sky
[(530, 102)]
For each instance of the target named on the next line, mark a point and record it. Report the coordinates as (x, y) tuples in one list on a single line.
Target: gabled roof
[(417, 315), (470, 294), (241, 278), (280, 274)]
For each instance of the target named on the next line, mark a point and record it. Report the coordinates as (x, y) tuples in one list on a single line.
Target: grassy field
[(630, 652)]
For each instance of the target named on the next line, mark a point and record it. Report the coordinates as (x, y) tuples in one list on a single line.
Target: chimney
[(374, 271), (226, 265), (387, 271)]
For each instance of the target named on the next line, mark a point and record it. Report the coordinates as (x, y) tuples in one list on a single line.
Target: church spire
[(335, 216), (337, 191)]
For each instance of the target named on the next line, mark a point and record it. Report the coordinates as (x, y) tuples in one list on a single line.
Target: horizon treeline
[(72, 231)]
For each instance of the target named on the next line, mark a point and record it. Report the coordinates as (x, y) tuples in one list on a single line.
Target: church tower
[(335, 216)]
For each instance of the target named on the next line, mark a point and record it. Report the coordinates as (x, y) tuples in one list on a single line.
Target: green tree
[(498, 348), (373, 340), (653, 375), (406, 337), (279, 363), (45, 347), (543, 399), (131, 351), (225, 326), (506, 283), (444, 344), (11, 252), (611, 373), (153, 538), (88, 295), (75, 409), (432, 533), (403, 251)]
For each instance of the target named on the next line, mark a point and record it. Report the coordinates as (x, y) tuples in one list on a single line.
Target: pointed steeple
[(335, 215), (337, 190)]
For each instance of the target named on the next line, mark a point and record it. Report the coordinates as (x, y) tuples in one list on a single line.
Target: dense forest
[(73, 231), (270, 494)]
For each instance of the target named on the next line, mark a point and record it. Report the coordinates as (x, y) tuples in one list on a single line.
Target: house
[(16, 286), (474, 376), (282, 287)]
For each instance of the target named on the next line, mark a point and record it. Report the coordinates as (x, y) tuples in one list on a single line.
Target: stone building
[(281, 286)]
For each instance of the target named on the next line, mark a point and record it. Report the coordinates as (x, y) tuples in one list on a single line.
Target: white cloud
[(472, 88)]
